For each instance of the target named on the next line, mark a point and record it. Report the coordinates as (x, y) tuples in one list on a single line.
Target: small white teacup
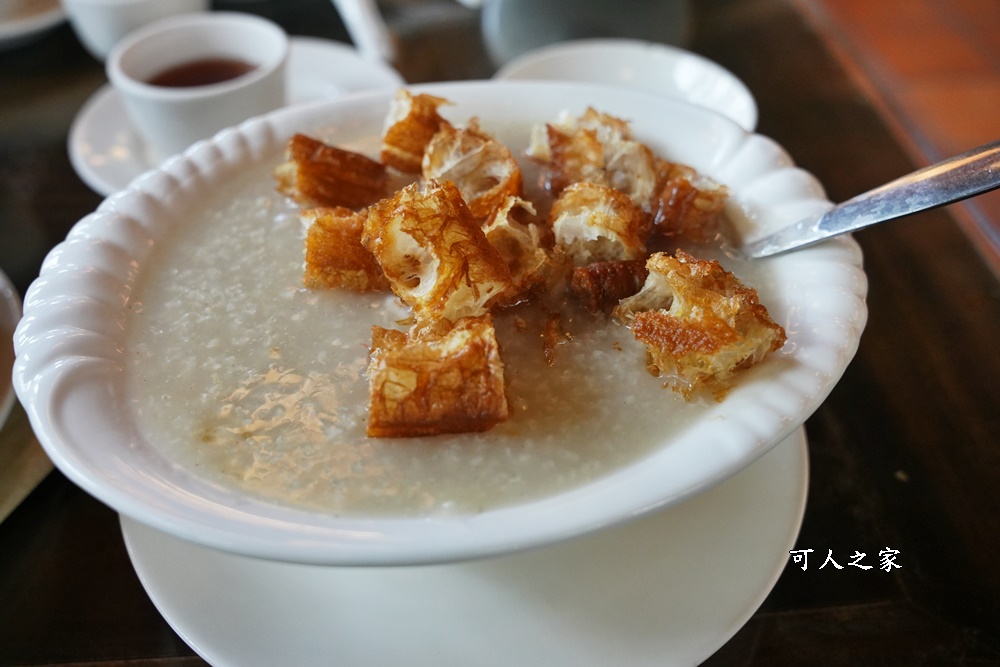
[(100, 24), (161, 70)]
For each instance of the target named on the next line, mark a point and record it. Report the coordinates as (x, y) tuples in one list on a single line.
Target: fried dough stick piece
[(320, 175), (334, 254), (595, 223), (524, 246), (601, 285), (434, 253), (594, 148), (443, 380), (699, 323), (483, 169), (687, 204), (411, 123)]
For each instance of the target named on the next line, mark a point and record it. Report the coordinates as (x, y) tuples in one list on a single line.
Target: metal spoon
[(966, 175)]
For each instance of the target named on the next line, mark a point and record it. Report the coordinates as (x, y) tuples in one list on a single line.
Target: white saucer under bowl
[(668, 589), (10, 313), (22, 21), (647, 66), (107, 155)]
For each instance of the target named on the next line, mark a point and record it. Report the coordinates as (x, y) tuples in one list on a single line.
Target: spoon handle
[(957, 178)]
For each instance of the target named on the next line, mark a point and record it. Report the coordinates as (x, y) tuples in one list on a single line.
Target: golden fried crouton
[(521, 243), (317, 174), (699, 323), (655, 293), (601, 285), (334, 254), (483, 169), (442, 380), (594, 223), (567, 157), (434, 253), (602, 128), (687, 204), (411, 123), (594, 148)]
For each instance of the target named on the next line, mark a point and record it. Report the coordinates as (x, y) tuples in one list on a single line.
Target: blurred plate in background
[(655, 68)]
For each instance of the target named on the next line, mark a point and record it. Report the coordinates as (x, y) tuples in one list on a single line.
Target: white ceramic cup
[(100, 24), (169, 119)]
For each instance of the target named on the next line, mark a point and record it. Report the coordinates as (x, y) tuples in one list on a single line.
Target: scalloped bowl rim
[(68, 346)]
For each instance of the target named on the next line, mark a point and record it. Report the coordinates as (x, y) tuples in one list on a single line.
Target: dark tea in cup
[(202, 72)]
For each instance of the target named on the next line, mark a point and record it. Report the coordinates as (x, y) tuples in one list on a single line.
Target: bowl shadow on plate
[(667, 589), (650, 586)]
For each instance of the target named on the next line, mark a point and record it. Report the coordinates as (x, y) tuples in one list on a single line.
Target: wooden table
[(905, 453)]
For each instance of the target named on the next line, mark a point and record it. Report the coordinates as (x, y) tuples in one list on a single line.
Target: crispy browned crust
[(601, 285), (317, 174), (434, 253), (576, 157), (464, 241), (483, 169), (595, 223), (595, 148), (442, 380), (687, 205), (524, 246), (411, 123), (715, 325), (334, 254)]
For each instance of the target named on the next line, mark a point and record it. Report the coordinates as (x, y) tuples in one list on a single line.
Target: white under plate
[(107, 154), (668, 589), (647, 66), (22, 21)]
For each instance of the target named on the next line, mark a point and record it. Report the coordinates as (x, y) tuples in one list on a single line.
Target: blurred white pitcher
[(512, 27)]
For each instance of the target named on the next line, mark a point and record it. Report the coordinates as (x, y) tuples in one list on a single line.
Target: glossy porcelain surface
[(70, 343), (643, 594), (107, 153), (652, 67), (23, 21)]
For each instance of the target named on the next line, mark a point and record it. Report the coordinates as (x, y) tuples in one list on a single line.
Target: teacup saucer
[(25, 20), (107, 154)]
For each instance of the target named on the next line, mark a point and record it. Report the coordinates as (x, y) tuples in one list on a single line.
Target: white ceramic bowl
[(71, 343), (656, 68)]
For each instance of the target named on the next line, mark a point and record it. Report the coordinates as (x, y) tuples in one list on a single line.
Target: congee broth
[(244, 377)]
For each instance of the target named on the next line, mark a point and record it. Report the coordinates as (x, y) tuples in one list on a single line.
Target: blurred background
[(931, 66)]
